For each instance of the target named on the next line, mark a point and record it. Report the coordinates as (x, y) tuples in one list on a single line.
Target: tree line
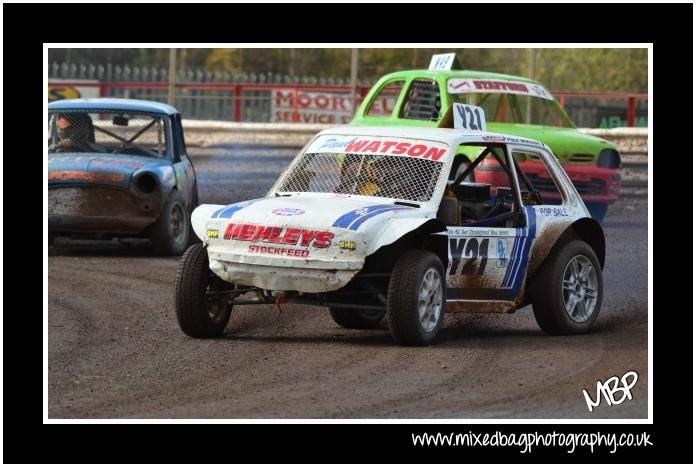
[(560, 69)]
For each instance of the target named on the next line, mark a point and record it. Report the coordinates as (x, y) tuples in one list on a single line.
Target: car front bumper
[(88, 209)]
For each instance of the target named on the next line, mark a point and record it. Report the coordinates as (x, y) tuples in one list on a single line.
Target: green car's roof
[(457, 74)]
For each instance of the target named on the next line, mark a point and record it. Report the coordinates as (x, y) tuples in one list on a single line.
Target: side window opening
[(535, 171), (489, 200), (108, 132), (422, 101), (383, 103), (179, 143)]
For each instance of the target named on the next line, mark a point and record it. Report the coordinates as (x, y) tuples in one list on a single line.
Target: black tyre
[(416, 299), (351, 318), (170, 234), (566, 291), (199, 314)]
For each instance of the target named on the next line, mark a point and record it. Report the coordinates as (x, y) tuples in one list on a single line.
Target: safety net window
[(386, 176), (423, 101), (127, 133)]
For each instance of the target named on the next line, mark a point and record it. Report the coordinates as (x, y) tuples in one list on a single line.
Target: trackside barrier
[(631, 142)]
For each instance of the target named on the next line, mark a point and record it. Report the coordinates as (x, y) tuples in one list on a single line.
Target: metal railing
[(264, 97)]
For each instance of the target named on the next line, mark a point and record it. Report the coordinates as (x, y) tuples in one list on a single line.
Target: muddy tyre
[(198, 314), (350, 318), (170, 234), (566, 291), (416, 298)]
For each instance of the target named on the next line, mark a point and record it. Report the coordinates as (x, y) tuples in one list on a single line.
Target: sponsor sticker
[(402, 147), (288, 212), (213, 233), (278, 251), (496, 86), (347, 245), (279, 235), (502, 252)]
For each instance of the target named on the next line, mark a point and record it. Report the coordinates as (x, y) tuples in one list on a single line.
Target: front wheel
[(170, 234), (199, 310), (567, 289), (416, 300)]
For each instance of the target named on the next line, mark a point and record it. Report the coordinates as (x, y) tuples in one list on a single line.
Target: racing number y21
[(470, 251)]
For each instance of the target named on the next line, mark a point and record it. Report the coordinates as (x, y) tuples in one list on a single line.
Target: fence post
[(353, 77), (171, 76), (631, 111), (237, 103), (295, 111)]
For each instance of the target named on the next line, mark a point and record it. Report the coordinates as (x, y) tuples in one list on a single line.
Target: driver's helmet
[(349, 163), (75, 126)]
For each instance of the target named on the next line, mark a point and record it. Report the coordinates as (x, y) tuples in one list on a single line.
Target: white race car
[(369, 223)]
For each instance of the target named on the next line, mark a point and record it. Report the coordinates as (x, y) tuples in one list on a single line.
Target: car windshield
[(516, 108), (384, 167), (111, 132)]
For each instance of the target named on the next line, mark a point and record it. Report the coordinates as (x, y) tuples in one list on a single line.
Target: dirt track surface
[(115, 349)]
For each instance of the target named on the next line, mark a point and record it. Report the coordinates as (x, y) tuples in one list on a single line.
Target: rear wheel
[(351, 318), (199, 310), (567, 289), (416, 299)]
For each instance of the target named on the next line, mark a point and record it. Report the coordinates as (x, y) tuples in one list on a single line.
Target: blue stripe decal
[(531, 233), (227, 211), (520, 252), (520, 261), (513, 257), (346, 219), (359, 221)]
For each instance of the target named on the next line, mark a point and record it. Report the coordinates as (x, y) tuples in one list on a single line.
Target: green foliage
[(557, 69)]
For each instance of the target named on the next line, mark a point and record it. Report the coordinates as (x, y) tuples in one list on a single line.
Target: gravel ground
[(115, 349)]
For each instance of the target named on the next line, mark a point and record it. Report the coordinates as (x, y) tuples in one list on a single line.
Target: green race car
[(514, 106)]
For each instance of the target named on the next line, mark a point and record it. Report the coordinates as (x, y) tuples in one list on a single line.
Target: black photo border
[(27, 27)]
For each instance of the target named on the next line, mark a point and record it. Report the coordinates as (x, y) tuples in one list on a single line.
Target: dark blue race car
[(119, 168)]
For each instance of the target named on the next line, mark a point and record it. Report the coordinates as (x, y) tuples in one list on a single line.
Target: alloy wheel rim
[(430, 299), (579, 287)]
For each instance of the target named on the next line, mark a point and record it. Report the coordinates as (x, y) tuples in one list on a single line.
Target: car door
[(488, 263), (185, 174)]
